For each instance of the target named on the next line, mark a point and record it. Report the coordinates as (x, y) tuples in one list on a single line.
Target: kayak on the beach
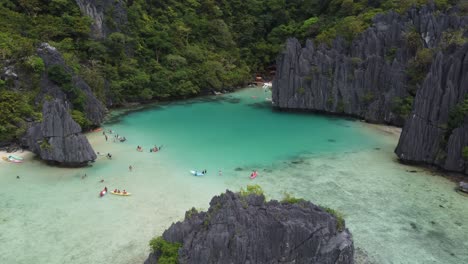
[(15, 157), (97, 129), (11, 160), (120, 193), (196, 173)]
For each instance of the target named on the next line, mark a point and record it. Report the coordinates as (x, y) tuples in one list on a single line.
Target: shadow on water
[(260, 105), (118, 114)]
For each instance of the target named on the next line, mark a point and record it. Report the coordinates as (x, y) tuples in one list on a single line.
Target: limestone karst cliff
[(58, 139), (246, 229), (378, 75), (93, 109), (108, 16)]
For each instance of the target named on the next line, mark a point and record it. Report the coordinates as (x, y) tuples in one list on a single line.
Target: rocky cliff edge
[(58, 139), (247, 229)]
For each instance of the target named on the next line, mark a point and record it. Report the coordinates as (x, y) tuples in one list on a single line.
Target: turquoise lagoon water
[(52, 215)]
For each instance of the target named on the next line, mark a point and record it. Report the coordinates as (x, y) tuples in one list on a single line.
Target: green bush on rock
[(81, 119), (465, 153), (288, 198), (251, 189), (58, 75), (340, 222), (169, 252), (403, 106)]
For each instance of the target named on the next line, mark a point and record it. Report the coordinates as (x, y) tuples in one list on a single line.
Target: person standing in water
[(130, 168)]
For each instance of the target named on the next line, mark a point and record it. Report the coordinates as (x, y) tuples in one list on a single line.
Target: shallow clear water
[(52, 215)]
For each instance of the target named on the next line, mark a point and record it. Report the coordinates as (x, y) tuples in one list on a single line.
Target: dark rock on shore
[(431, 135), (464, 187), (246, 229), (93, 109), (58, 139)]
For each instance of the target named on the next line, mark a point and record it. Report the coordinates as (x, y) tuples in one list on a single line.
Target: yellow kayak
[(121, 194)]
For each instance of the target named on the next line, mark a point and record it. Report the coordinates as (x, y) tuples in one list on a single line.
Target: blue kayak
[(196, 173)]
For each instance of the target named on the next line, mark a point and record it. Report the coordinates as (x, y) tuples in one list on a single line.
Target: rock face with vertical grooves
[(429, 135), (58, 139), (93, 109), (368, 79), (238, 229), (108, 15)]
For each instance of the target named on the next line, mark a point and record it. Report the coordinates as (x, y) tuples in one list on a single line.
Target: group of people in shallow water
[(153, 149), (116, 136)]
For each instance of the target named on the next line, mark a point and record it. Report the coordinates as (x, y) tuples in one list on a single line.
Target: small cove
[(52, 215)]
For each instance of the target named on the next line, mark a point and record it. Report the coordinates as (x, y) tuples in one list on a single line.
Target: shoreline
[(390, 130), (26, 154)]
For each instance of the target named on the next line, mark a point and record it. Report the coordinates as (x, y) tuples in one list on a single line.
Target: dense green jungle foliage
[(170, 48)]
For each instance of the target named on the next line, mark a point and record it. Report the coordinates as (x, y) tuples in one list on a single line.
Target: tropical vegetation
[(171, 48)]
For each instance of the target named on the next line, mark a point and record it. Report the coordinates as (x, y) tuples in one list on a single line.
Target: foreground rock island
[(244, 228)]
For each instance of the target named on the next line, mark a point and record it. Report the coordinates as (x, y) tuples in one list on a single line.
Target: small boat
[(253, 175), (15, 157), (196, 173), (12, 160), (121, 193), (97, 129), (103, 192)]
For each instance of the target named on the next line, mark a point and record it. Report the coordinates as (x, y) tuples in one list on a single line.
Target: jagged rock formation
[(431, 135), (92, 108), (108, 16), (238, 229), (464, 187), (58, 139), (368, 79), (365, 78)]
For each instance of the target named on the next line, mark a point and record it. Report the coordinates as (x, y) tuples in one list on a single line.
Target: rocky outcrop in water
[(246, 229), (58, 139), (464, 187), (437, 130), (372, 79), (366, 78), (93, 109), (108, 16)]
